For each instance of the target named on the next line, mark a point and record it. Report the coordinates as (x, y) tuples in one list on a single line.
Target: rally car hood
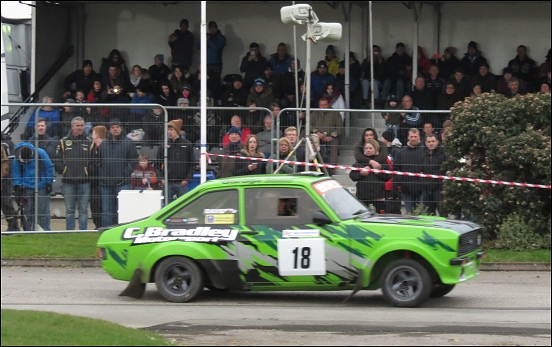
[(425, 221)]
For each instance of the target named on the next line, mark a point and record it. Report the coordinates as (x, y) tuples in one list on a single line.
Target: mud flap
[(135, 288), (358, 286)]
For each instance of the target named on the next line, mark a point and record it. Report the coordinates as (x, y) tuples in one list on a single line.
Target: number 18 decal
[(298, 257)]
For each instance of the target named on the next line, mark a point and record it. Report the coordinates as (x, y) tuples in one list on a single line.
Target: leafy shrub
[(500, 139), (517, 234)]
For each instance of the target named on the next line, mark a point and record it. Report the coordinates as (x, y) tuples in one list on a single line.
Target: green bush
[(500, 139), (517, 234)]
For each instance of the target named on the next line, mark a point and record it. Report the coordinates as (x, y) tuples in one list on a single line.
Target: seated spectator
[(259, 96), (285, 154), (370, 188), (287, 84), (272, 81), (253, 65), (233, 147), (188, 130), (354, 80), (369, 134), (166, 96), (138, 75), (423, 63), (544, 88), (97, 95), (114, 59), (379, 77), (246, 166), (244, 132), (476, 90), (514, 86), (546, 78), (45, 141), (80, 80), (195, 82), (434, 84), (142, 96), (159, 72), (544, 68), (331, 60), (410, 119), (398, 69), (67, 113), (333, 94), (462, 84), (144, 176), (502, 81), (320, 78), (524, 68), (281, 60), (49, 114), (448, 63), (422, 100), (446, 101), (392, 119), (486, 79), (236, 95), (266, 146), (179, 79), (152, 124), (118, 86), (472, 60)]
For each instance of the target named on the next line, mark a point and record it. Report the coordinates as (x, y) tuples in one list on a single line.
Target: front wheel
[(179, 279), (406, 283), (440, 290)]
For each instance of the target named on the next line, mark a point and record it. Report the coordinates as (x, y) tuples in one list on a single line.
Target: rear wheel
[(179, 279), (406, 283), (440, 290)]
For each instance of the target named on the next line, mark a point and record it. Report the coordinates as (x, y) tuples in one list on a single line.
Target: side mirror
[(320, 217)]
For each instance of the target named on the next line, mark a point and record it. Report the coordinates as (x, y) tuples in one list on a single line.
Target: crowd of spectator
[(92, 147)]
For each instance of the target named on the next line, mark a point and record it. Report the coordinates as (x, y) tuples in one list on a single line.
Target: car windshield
[(344, 204)]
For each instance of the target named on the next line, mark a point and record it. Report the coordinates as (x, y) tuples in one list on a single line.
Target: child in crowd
[(393, 119), (143, 176)]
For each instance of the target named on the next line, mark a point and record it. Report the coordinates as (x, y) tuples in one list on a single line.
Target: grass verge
[(83, 245), (35, 328)]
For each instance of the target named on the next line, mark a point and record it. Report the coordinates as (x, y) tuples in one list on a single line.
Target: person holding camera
[(253, 65), (24, 182), (182, 44)]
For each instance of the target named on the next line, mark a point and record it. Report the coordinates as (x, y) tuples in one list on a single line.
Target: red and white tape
[(400, 173)]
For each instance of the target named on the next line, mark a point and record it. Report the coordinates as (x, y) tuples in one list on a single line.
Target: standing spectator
[(472, 60), (215, 45), (246, 166), (114, 59), (24, 182), (182, 43), (486, 79), (80, 80), (379, 77), (179, 79), (393, 196), (49, 114), (152, 124), (398, 68), (392, 143), (281, 60), (447, 126), (462, 83), (253, 65), (45, 141), (234, 147), (392, 119), (422, 100), (410, 159), (72, 161), (320, 79), (331, 60), (144, 176), (159, 72), (99, 134), (118, 157), (434, 156), (8, 210), (423, 63), (370, 187), (327, 125), (367, 135), (448, 63), (180, 162), (291, 134), (427, 131), (265, 137), (410, 119), (524, 68), (285, 154)]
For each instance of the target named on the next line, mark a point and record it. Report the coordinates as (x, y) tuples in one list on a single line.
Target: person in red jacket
[(245, 132)]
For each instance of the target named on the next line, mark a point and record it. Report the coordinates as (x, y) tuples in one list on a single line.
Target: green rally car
[(288, 232)]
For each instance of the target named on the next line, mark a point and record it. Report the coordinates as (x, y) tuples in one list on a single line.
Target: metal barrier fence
[(146, 126)]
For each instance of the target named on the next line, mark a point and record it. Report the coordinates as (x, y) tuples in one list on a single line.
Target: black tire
[(440, 290), (406, 283), (179, 279)]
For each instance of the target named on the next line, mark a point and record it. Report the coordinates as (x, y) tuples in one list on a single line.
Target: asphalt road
[(496, 308)]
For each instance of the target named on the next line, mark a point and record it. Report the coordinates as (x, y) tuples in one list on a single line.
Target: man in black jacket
[(182, 44), (397, 68), (180, 162), (253, 65), (83, 80), (410, 159), (72, 160), (434, 156)]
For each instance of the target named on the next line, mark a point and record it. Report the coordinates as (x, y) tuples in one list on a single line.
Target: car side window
[(203, 210), (278, 205)]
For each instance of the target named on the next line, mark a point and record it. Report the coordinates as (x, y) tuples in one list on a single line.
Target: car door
[(281, 247)]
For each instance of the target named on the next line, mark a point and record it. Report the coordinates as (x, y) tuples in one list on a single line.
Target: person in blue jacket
[(48, 113), (24, 181), (215, 45)]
